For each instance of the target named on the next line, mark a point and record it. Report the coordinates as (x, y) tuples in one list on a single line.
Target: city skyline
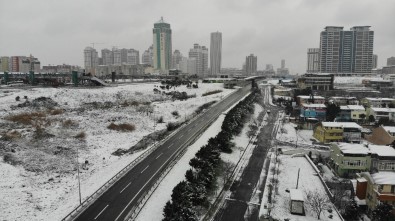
[(56, 37)]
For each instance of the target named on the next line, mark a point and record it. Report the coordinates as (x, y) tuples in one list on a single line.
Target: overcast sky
[(58, 31)]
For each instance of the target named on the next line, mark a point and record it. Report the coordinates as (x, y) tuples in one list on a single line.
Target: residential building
[(148, 56), (376, 102), (117, 55), (381, 112), (313, 60), (317, 111), (327, 132), (162, 46), (354, 113), (232, 71), (376, 188), (391, 61), (344, 100), (177, 57), (215, 53), (377, 83), (4, 64), (321, 82), (126, 69), (107, 57), (24, 64), (90, 60), (382, 135), (388, 70), (64, 68), (251, 65), (348, 159), (390, 77), (374, 62), (130, 56), (346, 51), (200, 54), (304, 99)]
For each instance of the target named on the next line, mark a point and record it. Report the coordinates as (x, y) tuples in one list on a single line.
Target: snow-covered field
[(52, 191)]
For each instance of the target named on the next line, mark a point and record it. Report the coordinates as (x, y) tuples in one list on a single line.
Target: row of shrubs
[(211, 92), (191, 194)]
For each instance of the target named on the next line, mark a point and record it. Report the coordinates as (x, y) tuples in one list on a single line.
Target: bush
[(211, 92), (17, 98), (81, 135), (11, 159), (160, 120), (172, 126), (69, 123), (11, 135), (175, 113), (25, 118), (56, 111), (204, 106), (121, 127)]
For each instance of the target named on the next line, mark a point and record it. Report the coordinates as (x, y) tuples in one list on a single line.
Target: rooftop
[(296, 195), (379, 99), (390, 129), (382, 109), (384, 178), (352, 107), (381, 150), (314, 105), (341, 124), (308, 97)]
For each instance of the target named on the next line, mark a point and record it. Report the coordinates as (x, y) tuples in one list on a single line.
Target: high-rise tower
[(162, 45), (215, 53), (251, 64)]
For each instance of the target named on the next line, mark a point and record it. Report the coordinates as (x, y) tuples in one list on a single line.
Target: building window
[(390, 166), (382, 166)]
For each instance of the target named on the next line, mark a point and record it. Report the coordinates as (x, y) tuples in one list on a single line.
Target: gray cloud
[(58, 31)]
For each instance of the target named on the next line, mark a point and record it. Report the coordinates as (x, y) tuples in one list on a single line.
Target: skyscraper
[(177, 57), (148, 56), (90, 60), (200, 53), (282, 63), (313, 60), (130, 56), (107, 56), (116, 53), (162, 45), (374, 61), (346, 51), (215, 53), (251, 64), (391, 61)]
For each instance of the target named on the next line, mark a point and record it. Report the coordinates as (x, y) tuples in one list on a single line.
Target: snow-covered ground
[(308, 181), (54, 193)]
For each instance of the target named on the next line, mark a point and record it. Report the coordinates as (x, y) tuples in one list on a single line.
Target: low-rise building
[(381, 112), (381, 135), (317, 111), (304, 99), (327, 132), (318, 81), (354, 113), (376, 102), (348, 159), (376, 188), (344, 100)]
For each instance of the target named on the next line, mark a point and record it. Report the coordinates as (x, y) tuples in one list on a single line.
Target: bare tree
[(317, 202)]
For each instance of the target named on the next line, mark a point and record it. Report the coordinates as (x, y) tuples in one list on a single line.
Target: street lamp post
[(296, 129)]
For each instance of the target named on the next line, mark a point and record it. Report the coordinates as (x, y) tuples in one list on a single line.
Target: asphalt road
[(116, 203), (237, 205)]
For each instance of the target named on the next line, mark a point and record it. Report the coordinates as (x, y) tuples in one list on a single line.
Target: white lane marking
[(125, 187), (189, 129), (101, 212), (144, 169), (170, 145), (158, 156), (181, 136)]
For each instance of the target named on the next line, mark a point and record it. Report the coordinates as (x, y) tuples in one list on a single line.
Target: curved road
[(119, 199)]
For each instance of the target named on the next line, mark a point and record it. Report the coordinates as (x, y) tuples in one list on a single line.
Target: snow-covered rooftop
[(383, 109), (379, 99), (384, 178), (352, 107), (345, 98), (381, 150), (341, 124), (296, 195), (308, 97), (314, 105), (389, 129)]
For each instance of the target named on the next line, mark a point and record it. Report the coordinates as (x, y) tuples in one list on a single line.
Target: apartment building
[(327, 132)]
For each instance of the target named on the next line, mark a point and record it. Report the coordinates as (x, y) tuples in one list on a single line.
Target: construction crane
[(97, 43)]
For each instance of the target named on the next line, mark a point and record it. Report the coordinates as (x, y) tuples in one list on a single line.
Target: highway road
[(118, 200), (237, 206)]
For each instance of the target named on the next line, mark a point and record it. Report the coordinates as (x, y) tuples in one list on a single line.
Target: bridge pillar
[(74, 78), (31, 77)]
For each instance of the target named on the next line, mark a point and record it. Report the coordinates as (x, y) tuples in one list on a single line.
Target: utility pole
[(297, 181), (78, 176)]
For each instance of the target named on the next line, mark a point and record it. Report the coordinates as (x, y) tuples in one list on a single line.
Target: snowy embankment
[(46, 192)]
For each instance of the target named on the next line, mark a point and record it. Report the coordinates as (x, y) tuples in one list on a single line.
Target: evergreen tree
[(383, 212)]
